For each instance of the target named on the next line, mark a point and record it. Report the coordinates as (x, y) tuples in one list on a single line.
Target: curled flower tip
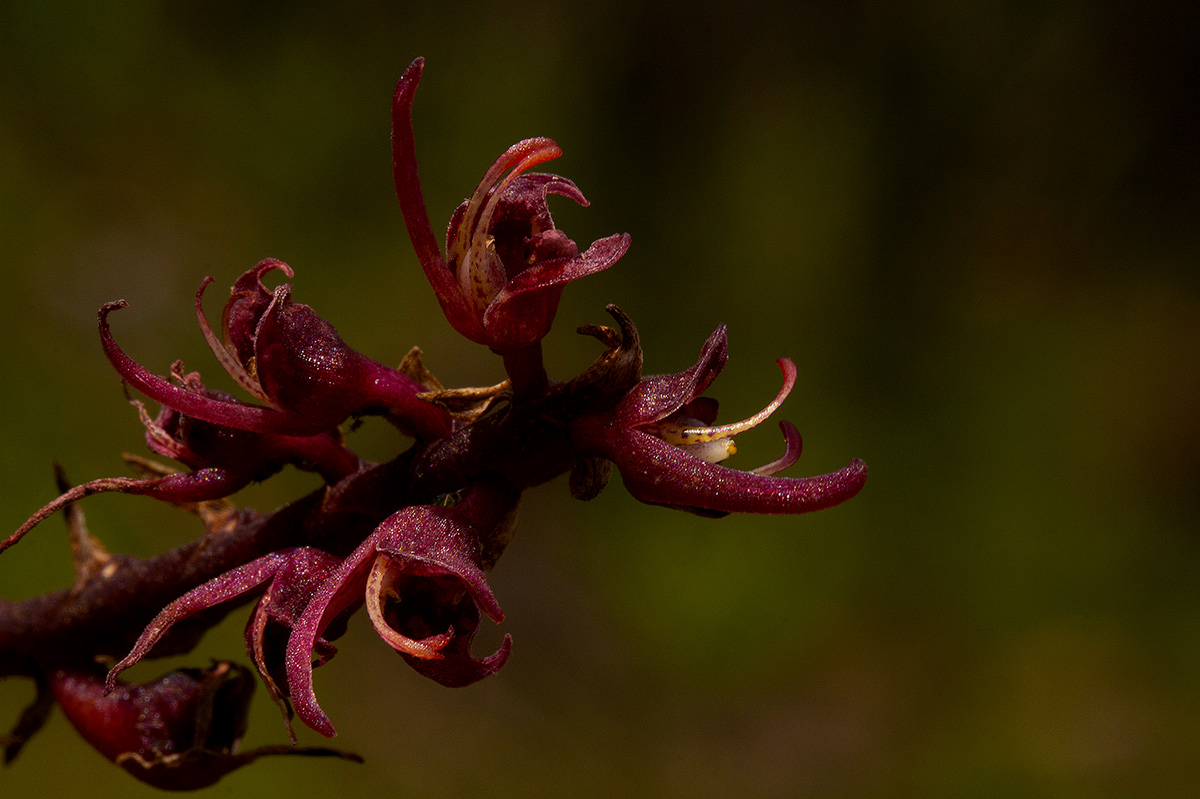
[(249, 299), (472, 253), (412, 205), (223, 588), (291, 577), (103, 485), (218, 411), (792, 446), (222, 459), (715, 443), (658, 396), (427, 592), (385, 601), (407, 606)]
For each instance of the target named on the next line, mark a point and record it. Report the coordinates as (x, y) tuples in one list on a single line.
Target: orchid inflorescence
[(412, 539)]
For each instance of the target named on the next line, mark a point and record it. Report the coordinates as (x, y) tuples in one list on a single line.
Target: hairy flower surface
[(421, 574), (222, 459)]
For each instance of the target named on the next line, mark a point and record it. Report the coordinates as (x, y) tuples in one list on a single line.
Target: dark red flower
[(291, 577), (179, 732), (222, 459), (292, 360), (506, 264), (413, 538), (422, 575), (663, 439)]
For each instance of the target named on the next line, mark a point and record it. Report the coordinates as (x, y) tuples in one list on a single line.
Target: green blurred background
[(974, 227)]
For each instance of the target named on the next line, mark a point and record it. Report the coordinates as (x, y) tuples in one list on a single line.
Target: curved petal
[(524, 309), (458, 668), (227, 586), (100, 486), (481, 274), (434, 541), (518, 158), (232, 414), (544, 183), (416, 217), (558, 272), (427, 591), (661, 474), (659, 396), (224, 355), (343, 588), (248, 300), (282, 604), (791, 452)]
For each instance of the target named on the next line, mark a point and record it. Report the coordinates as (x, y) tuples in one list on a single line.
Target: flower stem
[(526, 371)]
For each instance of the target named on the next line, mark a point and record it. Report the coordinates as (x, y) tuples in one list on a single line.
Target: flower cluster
[(412, 539)]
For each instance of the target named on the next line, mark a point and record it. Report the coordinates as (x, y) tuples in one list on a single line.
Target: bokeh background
[(974, 227)]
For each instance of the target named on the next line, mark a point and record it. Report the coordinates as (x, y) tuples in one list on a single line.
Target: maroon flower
[(179, 732), (422, 575), (222, 460), (245, 455), (292, 577), (506, 264), (292, 360), (663, 440)]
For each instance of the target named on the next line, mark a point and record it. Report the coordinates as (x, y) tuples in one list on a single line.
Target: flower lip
[(386, 574), (480, 271)]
